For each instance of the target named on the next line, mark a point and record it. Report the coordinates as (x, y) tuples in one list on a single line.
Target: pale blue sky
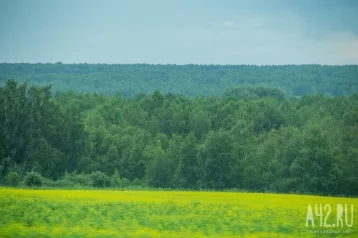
[(179, 32)]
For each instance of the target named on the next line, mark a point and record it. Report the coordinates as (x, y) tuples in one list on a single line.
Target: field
[(106, 213)]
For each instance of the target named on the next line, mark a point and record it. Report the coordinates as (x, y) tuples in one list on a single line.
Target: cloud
[(340, 47), (240, 32), (228, 24), (268, 39)]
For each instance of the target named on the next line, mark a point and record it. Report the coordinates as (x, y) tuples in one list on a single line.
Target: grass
[(111, 213)]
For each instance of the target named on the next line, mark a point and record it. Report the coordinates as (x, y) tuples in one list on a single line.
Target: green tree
[(217, 161)]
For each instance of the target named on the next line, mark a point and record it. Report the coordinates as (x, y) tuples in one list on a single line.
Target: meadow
[(111, 213)]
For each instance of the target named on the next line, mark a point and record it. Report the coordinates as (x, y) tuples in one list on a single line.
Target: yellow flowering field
[(110, 213)]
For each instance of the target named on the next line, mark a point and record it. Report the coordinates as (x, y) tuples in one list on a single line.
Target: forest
[(187, 80), (250, 138)]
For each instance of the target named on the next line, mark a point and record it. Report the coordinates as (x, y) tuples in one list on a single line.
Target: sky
[(260, 32)]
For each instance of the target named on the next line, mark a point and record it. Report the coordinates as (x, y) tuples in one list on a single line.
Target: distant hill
[(189, 80)]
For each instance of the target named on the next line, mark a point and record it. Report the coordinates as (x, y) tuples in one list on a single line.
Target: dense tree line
[(188, 80), (252, 138)]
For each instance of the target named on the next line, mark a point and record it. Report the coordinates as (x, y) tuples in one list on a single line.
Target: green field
[(106, 213)]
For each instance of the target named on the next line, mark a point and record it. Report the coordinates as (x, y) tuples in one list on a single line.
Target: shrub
[(81, 179), (118, 182), (139, 183), (61, 183), (33, 179), (125, 182), (99, 179), (116, 179), (12, 179)]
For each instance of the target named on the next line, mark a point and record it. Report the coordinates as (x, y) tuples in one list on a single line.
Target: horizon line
[(173, 64)]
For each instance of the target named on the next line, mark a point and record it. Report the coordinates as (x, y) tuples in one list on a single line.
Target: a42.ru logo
[(343, 216)]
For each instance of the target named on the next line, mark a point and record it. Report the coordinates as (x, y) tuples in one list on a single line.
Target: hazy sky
[(180, 32)]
